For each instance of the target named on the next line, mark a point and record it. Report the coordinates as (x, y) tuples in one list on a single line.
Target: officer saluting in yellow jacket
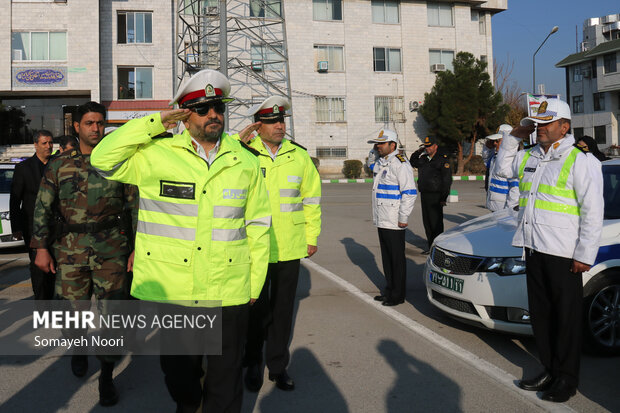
[(203, 227), (294, 188)]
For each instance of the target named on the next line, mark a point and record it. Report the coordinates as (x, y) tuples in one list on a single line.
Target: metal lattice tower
[(251, 50)]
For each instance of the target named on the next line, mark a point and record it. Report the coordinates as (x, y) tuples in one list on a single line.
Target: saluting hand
[(523, 132), (170, 118), (246, 134)]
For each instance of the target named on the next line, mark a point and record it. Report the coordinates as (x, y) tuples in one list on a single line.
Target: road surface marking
[(460, 353)]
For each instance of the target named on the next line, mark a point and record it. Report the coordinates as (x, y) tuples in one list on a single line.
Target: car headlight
[(5, 215), (503, 266)]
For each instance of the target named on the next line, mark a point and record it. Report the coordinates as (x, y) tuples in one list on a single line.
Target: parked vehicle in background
[(6, 234), (474, 274)]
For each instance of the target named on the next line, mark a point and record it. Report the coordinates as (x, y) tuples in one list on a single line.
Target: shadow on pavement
[(418, 386), (314, 389), (361, 256)]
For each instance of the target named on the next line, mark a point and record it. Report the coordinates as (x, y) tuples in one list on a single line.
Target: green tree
[(463, 105)]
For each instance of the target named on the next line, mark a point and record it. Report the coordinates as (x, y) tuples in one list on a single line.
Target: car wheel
[(602, 316)]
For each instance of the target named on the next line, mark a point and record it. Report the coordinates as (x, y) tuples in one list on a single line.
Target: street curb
[(369, 180)]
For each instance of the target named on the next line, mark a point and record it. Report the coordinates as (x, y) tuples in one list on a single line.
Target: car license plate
[(446, 281)]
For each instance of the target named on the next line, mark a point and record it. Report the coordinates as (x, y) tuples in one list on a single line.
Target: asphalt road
[(348, 354)]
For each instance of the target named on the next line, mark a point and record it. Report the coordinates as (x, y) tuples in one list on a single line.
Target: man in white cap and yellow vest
[(203, 228), (559, 227), (393, 196), (294, 188), (501, 192)]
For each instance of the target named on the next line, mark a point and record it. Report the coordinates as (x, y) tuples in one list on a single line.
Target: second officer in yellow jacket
[(294, 189)]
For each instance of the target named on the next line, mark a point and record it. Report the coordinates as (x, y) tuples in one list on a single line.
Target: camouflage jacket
[(72, 192)]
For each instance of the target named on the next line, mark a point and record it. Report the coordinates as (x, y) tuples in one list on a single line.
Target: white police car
[(476, 275), (6, 235)]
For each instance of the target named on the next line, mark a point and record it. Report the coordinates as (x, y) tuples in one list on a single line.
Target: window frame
[(393, 100), (439, 6), (609, 63), (331, 111), (577, 104), (118, 84), (331, 150), (263, 9), (135, 13), (598, 99), (329, 63), (49, 51), (449, 65), (383, 3), (327, 2), (276, 66), (597, 134), (386, 59)]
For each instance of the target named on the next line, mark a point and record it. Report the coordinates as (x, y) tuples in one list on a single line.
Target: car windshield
[(611, 191), (6, 177)]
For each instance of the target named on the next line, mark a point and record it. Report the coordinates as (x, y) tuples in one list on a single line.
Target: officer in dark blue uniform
[(434, 180)]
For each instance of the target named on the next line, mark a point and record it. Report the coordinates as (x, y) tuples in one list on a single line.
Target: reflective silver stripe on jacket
[(107, 174), (168, 231), (291, 207), (312, 201), (289, 193), (228, 234), (231, 212), (172, 208), (263, 222)]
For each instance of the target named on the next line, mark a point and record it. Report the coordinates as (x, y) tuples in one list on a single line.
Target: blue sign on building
[(37, 77)]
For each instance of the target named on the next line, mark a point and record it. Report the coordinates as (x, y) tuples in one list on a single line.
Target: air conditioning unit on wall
[(322, 66), (17, 54), (438, 67)]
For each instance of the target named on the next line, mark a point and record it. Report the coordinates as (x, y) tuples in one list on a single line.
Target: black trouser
[(222, 390), (271, 317), (392, 243), (42, 282), (432, 215), (555, 296)]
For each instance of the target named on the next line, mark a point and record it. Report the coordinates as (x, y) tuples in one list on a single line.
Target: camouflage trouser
[(79, 279)]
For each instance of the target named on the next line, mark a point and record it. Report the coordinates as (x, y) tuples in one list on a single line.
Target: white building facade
[(356, 66), (593, 81)]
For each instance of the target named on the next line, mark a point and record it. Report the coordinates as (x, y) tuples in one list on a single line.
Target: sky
[(518, 31)]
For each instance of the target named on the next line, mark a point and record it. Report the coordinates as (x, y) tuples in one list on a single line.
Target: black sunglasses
[(203, 109)]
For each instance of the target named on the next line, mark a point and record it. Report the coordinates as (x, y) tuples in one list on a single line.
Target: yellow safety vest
[(294, 188), (203, 231)]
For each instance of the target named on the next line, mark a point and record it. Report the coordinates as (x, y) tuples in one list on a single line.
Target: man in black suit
[(24, 188)]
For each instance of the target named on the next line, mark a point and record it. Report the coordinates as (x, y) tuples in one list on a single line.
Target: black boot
[(254, 377), (107, 391), (79, 365)]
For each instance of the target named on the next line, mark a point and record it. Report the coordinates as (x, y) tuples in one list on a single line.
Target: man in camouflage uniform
[(91, 248)]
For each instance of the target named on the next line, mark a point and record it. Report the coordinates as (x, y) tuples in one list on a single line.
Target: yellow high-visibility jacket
[(294, 188), (203, 231)]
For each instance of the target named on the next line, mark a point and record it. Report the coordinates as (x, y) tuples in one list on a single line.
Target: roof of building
[(603, 48)]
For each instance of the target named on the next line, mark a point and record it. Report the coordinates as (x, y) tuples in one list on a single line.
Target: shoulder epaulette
[(249, 148), (296, 144), (583, 149), (401, 158), (74, 154)]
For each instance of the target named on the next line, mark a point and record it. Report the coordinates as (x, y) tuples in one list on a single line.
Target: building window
[(330, 110), (385, 11), (577, 133), (440, 14), (135, 82), (610, 63), (577, 76), (482, 23), (333, 55), (327, 9), (444, 57), (386, 59), (134, 27), (265, 8), (389, 109), (593, 68), (577, 104), (38, 46), (599, 101), (197, 8), (331, 152), (267, 57), (600, 134)]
